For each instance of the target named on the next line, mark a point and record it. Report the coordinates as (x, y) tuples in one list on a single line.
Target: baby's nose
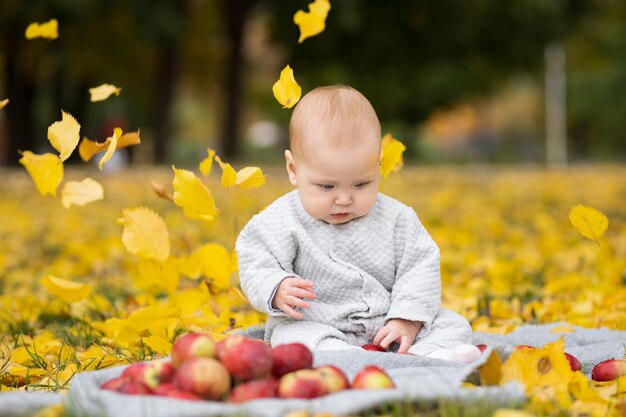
[(343, 200)]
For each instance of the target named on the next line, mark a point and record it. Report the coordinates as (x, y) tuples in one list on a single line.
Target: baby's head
[(334, 156)]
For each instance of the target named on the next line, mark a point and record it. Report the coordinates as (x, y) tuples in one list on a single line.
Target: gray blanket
[(417, 379)]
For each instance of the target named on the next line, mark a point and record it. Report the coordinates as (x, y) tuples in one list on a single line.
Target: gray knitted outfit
[(381, 266)]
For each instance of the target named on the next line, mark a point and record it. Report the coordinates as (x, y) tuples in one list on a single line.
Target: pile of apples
[(239, 369), (607, 370)]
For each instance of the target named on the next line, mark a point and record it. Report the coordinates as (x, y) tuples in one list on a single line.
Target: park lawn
[(509, 256)]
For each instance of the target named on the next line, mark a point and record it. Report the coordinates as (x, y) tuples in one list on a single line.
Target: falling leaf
[(286, 90), (103, 92), (88, 148), (46, 170), (250, 177), (229, 175), (3, 103), (64, 135), (68, 291), (313, 22), (191, 194), (145, 234), (589, 222), (81, 193), (391, 155), (47, 30), (117, 133), (160, 190), (207, 163)]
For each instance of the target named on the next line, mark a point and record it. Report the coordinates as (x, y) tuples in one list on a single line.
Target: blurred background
[(456, 81)]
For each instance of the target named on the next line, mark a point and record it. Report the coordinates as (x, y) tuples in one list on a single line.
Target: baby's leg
[(316, 336), (449, 339)]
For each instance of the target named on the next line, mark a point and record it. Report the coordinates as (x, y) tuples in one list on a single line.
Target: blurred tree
[(409, 56)]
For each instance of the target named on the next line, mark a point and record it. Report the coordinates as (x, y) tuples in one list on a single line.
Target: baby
[(335, 264)]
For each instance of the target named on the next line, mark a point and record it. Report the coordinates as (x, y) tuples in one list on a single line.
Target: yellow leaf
[(215, 263), (190, 299), (491, 372), (127, 336), (191, 194), (250, 177), (539, 368), (511, 412), (81, 193), (158, 344), (117, 133), (68, 291), (145, 234), (589, 222), (145, 317), (3, 103), (103, 92), (391, 155), (229, 175), (48, 30), (207, 163), (46, 171), (64, 135), (286, 90), (156, 277), (313, 22), (88, 148)]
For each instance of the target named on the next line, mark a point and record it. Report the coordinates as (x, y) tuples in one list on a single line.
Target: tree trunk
[(168, 73), (235, 13), (20, 90)]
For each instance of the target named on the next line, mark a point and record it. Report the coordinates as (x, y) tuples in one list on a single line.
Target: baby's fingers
[(301, 293), (405, 344), (380, 335), (288, 310), (301, 282), (297, 302)]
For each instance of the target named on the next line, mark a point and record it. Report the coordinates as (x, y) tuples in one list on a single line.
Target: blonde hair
[(338, 115)]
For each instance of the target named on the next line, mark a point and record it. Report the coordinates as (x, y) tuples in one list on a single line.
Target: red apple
[(481, 347), (334, 378), (522, 347), (305, 383), (246, 358), (574, 363), (290, 357), (191, 346), (251, 390), (131, 387), (114, 384), (153, 373), (183, 395), (374, 348), (133, 371), (163, 389), (206, 377), (609, 370), (372, 377)]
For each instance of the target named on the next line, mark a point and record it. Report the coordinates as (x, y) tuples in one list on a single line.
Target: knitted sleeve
[(416, 293), (263, 263)]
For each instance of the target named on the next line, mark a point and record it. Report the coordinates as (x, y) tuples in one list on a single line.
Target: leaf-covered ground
[(509, 256)]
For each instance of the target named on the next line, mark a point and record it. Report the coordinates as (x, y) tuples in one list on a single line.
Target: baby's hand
[(400, 331), (291, 293)]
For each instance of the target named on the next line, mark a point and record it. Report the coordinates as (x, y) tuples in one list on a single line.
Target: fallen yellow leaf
[(68, 291)]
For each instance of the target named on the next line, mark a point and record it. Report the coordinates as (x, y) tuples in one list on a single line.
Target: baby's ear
[(291, 167)]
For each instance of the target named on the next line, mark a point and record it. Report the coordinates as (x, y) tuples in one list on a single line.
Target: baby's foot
[(464, 353)]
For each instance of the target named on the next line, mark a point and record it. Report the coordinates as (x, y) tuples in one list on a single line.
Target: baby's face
[(337, 185)]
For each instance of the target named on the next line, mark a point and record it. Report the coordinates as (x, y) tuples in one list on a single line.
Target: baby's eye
[(326, 186), (361, 184)]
